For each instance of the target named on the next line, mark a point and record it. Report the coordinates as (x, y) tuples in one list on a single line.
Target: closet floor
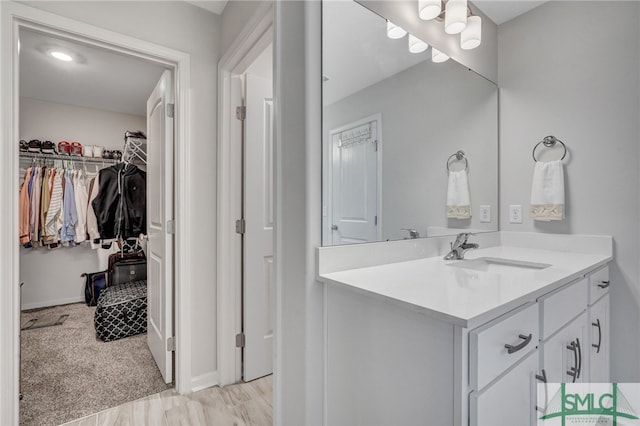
[(68, 373), (241, 404)]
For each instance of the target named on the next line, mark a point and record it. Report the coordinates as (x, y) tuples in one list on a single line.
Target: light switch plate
[(485, 214), (515, 213)]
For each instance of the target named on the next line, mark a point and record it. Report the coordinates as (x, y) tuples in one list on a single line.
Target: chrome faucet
[(460, 246), (413, 234)]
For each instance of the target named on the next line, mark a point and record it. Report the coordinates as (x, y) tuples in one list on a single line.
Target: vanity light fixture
[(437, 56), (429, 9), (394, 31), (61, 56), (458, 19), (471, 36), (416, 45), (455, 16)]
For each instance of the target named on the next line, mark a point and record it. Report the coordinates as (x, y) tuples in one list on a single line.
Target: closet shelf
[(89, 160)]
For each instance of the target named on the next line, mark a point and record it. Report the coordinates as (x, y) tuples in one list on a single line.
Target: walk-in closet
[(88, 179)]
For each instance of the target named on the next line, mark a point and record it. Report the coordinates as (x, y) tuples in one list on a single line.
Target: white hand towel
[(458, 199), (547, 191)]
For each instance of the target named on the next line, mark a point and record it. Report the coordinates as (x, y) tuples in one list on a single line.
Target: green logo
[(572, 405)]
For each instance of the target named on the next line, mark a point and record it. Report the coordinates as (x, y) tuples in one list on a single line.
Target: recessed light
[(61, 56)]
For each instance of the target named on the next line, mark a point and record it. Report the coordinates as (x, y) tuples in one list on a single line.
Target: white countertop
[(465, 297)]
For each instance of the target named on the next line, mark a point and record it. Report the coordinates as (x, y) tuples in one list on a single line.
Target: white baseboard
[(47, 303), (204, 381)]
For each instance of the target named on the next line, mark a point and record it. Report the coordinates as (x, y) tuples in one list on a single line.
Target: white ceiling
[(215, 6), (501, 11), (98, 78)]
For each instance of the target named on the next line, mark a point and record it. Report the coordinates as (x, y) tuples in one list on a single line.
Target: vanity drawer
[(563, 305), (488, 355), (598, 284)]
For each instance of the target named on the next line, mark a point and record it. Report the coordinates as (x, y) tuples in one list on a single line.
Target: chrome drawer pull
[(597, 324), (604, 284), (526, 339)]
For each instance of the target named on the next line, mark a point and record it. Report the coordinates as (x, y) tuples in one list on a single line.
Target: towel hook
[(548, 142), (459, 156)]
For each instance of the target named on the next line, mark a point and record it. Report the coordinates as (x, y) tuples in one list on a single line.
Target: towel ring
[(459, 156), (548, 142)]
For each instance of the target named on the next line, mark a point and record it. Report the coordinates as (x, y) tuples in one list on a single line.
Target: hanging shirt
[(25, 210), (70, 213), (80, 190), (54, 213)]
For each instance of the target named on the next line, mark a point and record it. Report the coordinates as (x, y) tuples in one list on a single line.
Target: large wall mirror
[(400, 134)]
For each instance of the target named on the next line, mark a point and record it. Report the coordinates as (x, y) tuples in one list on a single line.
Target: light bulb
[(61, 56), (437, 56), (429, 9), (455, 17), (471, 37), (394, 31), (416, 45)]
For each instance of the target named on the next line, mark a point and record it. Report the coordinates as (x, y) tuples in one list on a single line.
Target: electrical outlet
[(515, 213), (485, 214)]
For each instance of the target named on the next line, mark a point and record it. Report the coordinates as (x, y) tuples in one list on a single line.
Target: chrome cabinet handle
[(543, 379), (515, 348), (604, 284), (334, 227), (597, 324), (579, 357), (573, 372)]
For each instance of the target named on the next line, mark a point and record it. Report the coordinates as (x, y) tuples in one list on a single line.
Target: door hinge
[(375, 220), (171, 226), (171, 344), (241, 112), (240, 340), (375, 145), (240, 226), (171, 110)]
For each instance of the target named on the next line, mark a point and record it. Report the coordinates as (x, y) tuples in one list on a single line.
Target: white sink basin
[(498, 265)]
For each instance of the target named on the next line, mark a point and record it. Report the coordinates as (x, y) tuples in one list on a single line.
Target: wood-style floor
[(241, 404)]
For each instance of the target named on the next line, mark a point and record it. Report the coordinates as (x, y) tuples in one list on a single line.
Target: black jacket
[(120, 205)]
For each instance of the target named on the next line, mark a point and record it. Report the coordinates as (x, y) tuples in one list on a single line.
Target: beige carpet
[(68, 373)]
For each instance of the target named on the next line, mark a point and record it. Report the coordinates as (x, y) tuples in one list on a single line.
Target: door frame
[(328, 152), (12, 17), (253, 39)]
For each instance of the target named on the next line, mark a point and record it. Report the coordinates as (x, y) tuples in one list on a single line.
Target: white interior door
[(354, 174), (159, 212), (258, 238)]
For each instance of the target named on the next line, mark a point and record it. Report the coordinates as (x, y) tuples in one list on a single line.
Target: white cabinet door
[(511, 400), (565, 354), (599, 346)]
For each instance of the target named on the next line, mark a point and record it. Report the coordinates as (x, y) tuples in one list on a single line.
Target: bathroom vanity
[(414, 339)]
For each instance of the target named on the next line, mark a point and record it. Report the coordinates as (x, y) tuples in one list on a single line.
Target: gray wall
[(235, 16), (429, 111), (181, 26), (571, 69)]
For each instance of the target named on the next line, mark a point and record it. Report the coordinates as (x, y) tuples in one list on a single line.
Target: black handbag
[(126, 271), (94, 283)]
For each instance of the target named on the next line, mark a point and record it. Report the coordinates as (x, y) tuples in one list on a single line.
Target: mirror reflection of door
[(355, 189)]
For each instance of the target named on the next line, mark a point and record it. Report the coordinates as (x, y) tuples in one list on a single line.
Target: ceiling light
[(455, 18), (394, 31), (429, 9), (61, 56), (437, 56), (416, 45), (471, 37)]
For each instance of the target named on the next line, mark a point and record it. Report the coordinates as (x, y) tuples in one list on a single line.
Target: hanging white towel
[(458, 199), (547, 191)]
